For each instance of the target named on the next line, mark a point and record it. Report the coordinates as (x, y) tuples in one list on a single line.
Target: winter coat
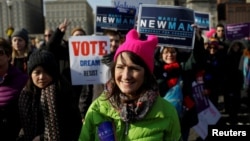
[(65, 110), (233, 75), (159, 124), (10, 89)]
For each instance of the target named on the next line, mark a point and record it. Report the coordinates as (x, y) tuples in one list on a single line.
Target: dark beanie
[(23, 33), (44, 59)]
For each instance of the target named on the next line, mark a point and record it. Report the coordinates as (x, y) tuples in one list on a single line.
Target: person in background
[(21, 49), (37, 42), (192, 68), (130, 107), (223, 43), (47, 36), (221, 37), (78, 31), (214, 72), (47, 105), (234, 81), (245, 68), (115, 41), (12, 81), (168, 75), (59, 47), (34, 41), (175, 71)]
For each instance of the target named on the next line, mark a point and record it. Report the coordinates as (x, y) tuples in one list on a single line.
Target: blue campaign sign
[(202, 20), (172, 24), (237, 31), (114, 18)]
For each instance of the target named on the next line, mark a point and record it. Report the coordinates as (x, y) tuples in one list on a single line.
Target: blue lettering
[(113, 20), (189, 27), (201, 20), (181, 27), (172, 25), (90, 63), (118, 20)]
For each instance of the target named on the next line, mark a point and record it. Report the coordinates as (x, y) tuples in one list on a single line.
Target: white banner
[(209, 116), (85, 59)]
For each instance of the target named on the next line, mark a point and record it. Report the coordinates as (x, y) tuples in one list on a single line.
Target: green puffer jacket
[(160, 124)]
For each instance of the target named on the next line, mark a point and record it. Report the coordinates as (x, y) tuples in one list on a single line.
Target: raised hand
[(63, 26)]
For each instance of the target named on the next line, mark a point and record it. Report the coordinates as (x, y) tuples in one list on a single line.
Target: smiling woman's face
[(128, 76), (169, 55)]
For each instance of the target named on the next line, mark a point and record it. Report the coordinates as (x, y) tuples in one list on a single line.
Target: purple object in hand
[(106, 132)]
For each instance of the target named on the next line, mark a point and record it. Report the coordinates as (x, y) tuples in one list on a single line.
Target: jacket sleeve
[(91, 121), (175, 131), (58, 46), (93, 118), (88, 129)]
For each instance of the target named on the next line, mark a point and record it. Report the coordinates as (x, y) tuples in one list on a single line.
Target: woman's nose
[(126, 73), (41, 75)]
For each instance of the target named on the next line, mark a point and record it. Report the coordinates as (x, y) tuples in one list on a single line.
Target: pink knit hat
[(144, 49)]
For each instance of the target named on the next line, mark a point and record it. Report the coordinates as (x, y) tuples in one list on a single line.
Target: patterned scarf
[(48, 104), (132, 111), (29, 109)]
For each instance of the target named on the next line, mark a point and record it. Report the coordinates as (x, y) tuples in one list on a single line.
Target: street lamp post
[(9, 4), (10, 29)]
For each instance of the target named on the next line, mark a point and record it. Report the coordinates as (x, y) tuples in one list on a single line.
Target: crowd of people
[(148, 97)]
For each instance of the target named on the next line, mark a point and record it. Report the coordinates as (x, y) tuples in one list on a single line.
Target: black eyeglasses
[(2, 52), (47, 35)]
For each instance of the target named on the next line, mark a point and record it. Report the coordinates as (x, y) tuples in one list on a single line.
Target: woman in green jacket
[(130, 107)]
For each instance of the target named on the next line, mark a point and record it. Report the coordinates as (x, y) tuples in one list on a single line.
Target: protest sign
[(199, 97), (172, 24), (208, 114), (85, 59), (202, 20), (114, 18), (237, 31)]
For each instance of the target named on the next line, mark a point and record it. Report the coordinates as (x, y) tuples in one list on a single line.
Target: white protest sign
[(85, 59), (209, 116)]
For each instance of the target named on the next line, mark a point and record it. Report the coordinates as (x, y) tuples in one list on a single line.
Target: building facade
[(78, 12), (233, 12), (36, 15), (26, 14)]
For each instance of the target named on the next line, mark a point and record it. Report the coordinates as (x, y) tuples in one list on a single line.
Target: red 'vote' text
[(86, 48)]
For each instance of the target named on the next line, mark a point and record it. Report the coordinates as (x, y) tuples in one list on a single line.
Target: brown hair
[(149, 83), (77, 29)]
